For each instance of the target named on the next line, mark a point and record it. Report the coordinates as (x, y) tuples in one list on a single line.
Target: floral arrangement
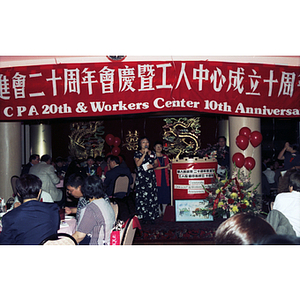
[(229, 196)]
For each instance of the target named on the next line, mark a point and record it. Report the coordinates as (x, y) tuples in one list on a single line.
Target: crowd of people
[(88, 190), (282, 224)]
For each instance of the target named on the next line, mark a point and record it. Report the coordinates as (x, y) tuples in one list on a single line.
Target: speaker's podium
[(189, 178)]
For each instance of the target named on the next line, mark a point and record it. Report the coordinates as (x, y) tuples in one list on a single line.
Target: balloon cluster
[(114, 142), (242, 141)]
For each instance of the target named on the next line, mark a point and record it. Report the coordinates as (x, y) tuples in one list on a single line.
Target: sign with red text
[(113, 88), (191, 177)]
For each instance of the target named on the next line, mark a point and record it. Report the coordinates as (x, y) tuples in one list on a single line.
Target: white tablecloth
[(68, 226)]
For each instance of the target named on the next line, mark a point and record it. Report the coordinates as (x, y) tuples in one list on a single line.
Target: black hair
[(75, 180), (278, 239), (294, 181), (59, 159), (243, 229), (158, 143), (28, 186), (99, 158), (108, 157), (33, 157), (295, 147), (92, 188), (222, 137), (139, 141), (45, 157), (116, 159)]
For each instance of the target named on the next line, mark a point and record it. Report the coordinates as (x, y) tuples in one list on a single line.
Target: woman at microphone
[(146, 188)]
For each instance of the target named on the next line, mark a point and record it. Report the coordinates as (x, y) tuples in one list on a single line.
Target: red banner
[(100, 89)]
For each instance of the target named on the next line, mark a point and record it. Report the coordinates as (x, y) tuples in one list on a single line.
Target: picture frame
[(191, 210)]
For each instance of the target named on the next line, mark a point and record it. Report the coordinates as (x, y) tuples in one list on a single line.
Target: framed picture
[(191, 211)]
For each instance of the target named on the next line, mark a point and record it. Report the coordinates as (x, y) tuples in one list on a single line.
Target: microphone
[(146, 147)]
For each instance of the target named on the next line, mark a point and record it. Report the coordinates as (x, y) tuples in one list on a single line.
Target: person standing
[(162, 178), (291, 156), (146, 187), (223, 156), (46, 172)]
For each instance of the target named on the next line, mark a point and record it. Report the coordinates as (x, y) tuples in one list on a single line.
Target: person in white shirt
[(270, 174), (289, 203)]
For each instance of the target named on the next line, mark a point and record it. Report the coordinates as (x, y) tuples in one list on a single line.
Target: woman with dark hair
[(243, 229), (146, 188), (97, 218), (32, 221), (162, 177)]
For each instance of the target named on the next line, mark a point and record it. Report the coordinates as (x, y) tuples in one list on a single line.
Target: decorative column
[(40, 139), (11, 155), (235, 124), (223, 129)]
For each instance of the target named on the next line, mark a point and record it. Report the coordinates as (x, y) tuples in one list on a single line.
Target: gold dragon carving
[(182, 136), (86, 139)]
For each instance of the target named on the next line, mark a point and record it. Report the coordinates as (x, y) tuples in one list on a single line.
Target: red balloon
[(242, 141), (109, 139), (115, 151), (238, 159), (255, 138), (245, 131), (249, 163), (117, 141)]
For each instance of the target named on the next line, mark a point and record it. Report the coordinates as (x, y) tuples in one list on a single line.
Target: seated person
[(44, 197), (115, 171), (243, 229), (91, 168), (288, 203), (32, 221), (33, 160), (270, 174), (46, 172), (97, 219), (73, 185)]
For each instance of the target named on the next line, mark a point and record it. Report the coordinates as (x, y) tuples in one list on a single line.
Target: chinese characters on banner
[(112, 88)]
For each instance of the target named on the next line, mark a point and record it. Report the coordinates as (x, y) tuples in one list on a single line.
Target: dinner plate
[(67, 217)]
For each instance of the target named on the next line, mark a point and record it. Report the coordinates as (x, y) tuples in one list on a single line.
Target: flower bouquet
[(232, 195)]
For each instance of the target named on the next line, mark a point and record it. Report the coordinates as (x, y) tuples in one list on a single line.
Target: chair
[(280, 223), (13, 181), (115, 208), (121, 196), (59, 239), (121, 186), (129, 232)]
